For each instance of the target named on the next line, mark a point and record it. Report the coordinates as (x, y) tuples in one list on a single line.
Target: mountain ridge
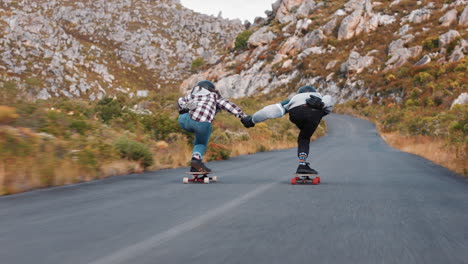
[(94, 49), (338, 36)]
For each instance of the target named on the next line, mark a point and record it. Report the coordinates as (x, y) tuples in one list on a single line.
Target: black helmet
[(207, 85), (306, 89)]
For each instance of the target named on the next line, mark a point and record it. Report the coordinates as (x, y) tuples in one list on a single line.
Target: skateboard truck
[(305, 179), (199, 177)]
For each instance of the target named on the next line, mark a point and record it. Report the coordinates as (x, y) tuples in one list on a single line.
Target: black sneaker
[(305, 169), (198, 166)]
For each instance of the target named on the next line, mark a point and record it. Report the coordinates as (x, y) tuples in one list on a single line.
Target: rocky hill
[(341, 47), (90, 49)]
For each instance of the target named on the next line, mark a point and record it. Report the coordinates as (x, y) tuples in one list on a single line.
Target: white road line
[(123, 255)]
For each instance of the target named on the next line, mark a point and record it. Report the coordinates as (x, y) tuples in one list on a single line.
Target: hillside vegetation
[(425, 122)]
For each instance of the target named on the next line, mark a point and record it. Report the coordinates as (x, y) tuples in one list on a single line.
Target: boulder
[(331, 65), (463, 20), (399, 43), (400, 55), (290, 47), (349, 25), (302, 25), (356, 63), (461, 100), (403, 30), (311, 39), (261, 37), (312, 50), (285, 10), (385, 19), (449, 18), (287, 64), (448, 37), (418, 16), (459, 51), (355, 4), (340, 12), (424, 60), (330, 26), (305, 9)]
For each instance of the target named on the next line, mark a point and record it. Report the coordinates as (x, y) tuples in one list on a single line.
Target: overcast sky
[(242, 9)]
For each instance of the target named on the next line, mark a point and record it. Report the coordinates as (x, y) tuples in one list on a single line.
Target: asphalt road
[(375, 205)]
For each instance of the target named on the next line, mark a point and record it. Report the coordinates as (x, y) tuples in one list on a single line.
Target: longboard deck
[(305, 179), (197, 173)]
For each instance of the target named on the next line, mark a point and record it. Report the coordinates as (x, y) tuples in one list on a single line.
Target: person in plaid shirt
[(197, 110)]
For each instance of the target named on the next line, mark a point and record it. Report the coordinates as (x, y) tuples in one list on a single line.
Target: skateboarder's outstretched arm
[(268, 112), (314, 100)]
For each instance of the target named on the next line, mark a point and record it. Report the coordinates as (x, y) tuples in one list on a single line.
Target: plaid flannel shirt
[(204, 105)]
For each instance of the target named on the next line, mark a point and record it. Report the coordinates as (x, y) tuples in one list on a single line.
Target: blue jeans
[(202, 132)]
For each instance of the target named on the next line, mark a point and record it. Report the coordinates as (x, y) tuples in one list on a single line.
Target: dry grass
[(20, 175), (432, 149)]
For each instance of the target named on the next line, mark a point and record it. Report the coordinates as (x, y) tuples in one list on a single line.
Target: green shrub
[(134, 150), (423, 77), (80, 126), (108, 109), (197, 64), (451, 46), (241, 39), (403, 72), (8, 92), (431, 43), (217, 152), (55, 123), (87, 159), (390, 122)]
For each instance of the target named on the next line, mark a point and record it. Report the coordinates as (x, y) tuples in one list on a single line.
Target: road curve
[(375, 205)]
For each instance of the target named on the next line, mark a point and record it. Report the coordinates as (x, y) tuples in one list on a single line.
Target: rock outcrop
[(449, 18), (463, 21), (356, 63), (90, 49), (461, 99)]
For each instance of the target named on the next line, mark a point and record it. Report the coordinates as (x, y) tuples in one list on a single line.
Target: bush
[(423, 77), (8, 92), (197, 64), (241, 39), (217, 152), (431, 43), (80, 126), (7, 114), (108, 109), (134, 150)]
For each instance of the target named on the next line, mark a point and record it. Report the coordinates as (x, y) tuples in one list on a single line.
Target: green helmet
[(306, 89)]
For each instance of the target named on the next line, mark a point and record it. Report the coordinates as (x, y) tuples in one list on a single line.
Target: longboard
[(200, 177), (305, 179)]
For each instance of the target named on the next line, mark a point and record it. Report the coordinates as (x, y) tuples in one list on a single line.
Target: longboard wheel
[(214, 178), (315, 181), (294, 181), (318, 178), (185, 180), (206, 180)]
